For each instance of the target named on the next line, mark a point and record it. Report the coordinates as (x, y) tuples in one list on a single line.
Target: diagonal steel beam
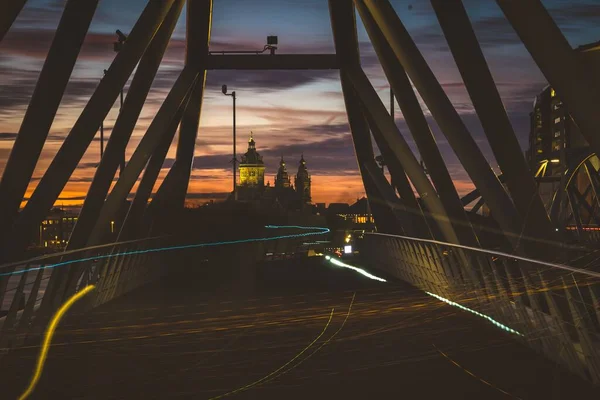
[(199, 25), (9, 11), (419, 128), (413, 213), (373, 105), (43, 105), (448, 119), (82, 133), (145, 149), (131, 225), (480, 85), (124, 126), (343, 25), (558, 62)]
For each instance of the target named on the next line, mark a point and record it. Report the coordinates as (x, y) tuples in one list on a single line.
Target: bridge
[(440, 301)]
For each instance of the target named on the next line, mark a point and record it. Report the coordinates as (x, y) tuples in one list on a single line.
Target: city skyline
[(290, 112)]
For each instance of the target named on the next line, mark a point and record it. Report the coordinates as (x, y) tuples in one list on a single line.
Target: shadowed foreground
[(193, 338)]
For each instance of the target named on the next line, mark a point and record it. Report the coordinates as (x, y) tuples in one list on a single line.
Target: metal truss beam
[(373, 105), (43, 105), (157, 129), (199, 20), (86, 126), (419, 128), (124, 126), (131, 226), (9, 11), (482, 89), (413, 215), (448, 119), (343, 25), (273, 62), (559, 63)]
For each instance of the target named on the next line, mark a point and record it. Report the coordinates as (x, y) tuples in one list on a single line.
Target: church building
[(252, 182)]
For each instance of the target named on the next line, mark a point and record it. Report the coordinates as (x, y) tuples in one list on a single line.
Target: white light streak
[(493, 321), (360, 271)]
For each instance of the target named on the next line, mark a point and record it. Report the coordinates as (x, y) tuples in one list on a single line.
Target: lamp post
[(118, 45), (224, 90)]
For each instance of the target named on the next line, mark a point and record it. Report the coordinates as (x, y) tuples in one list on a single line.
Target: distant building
[(55, 230), (552, 132), (252, 167), (302, 182), (553, 137), (283, 194)]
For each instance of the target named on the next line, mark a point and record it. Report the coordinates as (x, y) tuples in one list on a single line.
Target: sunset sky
[(290, 112)]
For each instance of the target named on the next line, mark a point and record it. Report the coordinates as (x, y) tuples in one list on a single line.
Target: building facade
[(283, 194), (252, 167)]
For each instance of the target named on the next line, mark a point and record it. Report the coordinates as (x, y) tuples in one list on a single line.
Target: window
[(557, 120), (557, 134)]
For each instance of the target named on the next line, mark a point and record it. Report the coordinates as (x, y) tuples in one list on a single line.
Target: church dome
[(251, 156)]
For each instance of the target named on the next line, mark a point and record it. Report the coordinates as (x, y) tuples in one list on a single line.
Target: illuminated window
[(557, 120), (552, 93), (557, 134)]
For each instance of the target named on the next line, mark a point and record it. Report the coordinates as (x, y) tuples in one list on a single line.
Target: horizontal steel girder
[(267, 62)]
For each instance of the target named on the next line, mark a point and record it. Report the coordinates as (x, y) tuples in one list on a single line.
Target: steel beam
[(419, 128), (400, 182), (403, 219), (121, 133), (273, 62), (9, 11), (480, 85), (343, 25), (373, 105), (448, 119), (130, 227), (145, 149), (43, 105), (199, 20), (561, 66), (85, 128)]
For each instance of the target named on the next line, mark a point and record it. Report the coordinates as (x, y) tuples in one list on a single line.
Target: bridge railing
[(32, 290), (552, 308)]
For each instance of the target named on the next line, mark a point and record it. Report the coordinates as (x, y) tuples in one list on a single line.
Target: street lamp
[(118, 46), (224, 90)]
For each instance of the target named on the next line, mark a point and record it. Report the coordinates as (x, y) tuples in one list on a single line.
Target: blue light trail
[(320, 231)]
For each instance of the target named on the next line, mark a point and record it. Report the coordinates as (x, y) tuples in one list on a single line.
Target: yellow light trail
[(473, 375), (48, 338), (280, 368), (318, 348)]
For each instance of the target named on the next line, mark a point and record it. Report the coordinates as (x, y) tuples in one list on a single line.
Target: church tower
[(282, 180), (302, 182), (252, 167)]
